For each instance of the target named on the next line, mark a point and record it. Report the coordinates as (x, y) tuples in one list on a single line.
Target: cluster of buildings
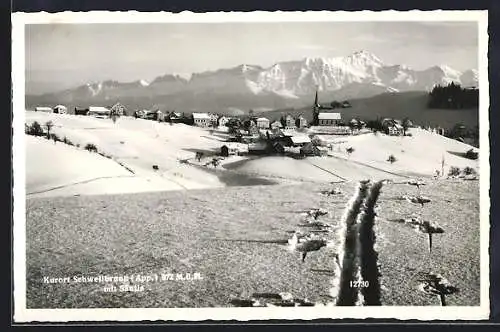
[(97, 111), (59, 109)]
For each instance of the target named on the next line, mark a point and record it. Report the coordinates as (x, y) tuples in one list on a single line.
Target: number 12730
[(359, 283)]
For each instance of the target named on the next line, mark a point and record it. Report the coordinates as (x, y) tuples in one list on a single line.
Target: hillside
[(131, 147), (393, 105)]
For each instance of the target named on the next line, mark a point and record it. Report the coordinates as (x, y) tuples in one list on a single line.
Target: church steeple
[(315, 109)]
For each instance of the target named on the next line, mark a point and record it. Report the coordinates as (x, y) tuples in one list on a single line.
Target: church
[(323, 115)]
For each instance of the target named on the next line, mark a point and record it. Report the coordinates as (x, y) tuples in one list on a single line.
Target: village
[(248, 135)]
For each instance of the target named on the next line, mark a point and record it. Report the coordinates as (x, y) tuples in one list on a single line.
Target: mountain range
[(284, 84)]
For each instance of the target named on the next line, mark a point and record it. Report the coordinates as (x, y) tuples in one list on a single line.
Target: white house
[(300, 140), (263, 123), (223, 120), (289, 121), (395, 130), (99, 111), (43, 109), (328, 119), (201, 119), (60, 109), (276, 125), (234, 149), (119, 109), (301, 122), (214, 119)]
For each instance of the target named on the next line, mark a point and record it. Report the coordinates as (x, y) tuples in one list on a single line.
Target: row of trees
[(453, 96)]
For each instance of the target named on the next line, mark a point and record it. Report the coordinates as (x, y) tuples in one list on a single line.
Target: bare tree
[(405, 124), (215, 162), (49, 125)]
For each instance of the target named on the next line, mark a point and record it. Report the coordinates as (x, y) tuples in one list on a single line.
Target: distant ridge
[(284, 84)]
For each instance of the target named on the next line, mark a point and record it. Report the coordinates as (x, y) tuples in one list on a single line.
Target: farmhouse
[(259, 147), (60, 109), (99, 111), (118, 109), (263, 123), (43, 109), (276, 125), (301, 122), (328, 119), (289, 122), (214, 119), (174, 117), (81, 111), (229, 149), (154, 115), (299, 140), (392, 127), (310, 150), (201, 119), (223, 120), (140, 114)]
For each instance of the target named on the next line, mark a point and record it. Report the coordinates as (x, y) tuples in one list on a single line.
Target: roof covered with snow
[(300, 139), (201, 116), (99, 109), (236, 146), (329, 116), (263, 119), (43, 108)]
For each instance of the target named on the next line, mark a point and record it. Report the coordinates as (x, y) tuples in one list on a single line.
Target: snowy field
[(236, 239), (90, 214), (135, 145)]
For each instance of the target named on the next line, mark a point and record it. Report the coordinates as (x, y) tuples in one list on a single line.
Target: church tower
[(316, 108)]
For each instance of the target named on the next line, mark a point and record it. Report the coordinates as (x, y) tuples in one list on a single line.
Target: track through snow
[(358, 283)]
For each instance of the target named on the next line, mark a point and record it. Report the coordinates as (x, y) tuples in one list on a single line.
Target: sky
[(65, 55)]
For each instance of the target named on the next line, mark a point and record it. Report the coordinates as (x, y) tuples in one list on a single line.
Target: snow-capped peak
[(144, 82), (364, 57)]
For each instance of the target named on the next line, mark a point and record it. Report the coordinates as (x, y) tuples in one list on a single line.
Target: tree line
[(453, 96)]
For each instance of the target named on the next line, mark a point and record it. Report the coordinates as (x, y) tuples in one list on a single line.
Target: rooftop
[(300, 139), (201, 116), (329, 116)]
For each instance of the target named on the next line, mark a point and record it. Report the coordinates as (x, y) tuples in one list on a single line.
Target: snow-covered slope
[(131, 147), (137, 144), (420, 155)]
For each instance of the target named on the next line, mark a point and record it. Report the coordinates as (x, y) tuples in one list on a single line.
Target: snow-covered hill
[(130, 148)]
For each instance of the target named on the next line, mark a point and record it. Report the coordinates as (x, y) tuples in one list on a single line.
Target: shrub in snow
[(349, 150), (469, 171), (35, 129), (67, 141), (55, 137), (454, 171), (471, 154), (391, 159), (91, 147)]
